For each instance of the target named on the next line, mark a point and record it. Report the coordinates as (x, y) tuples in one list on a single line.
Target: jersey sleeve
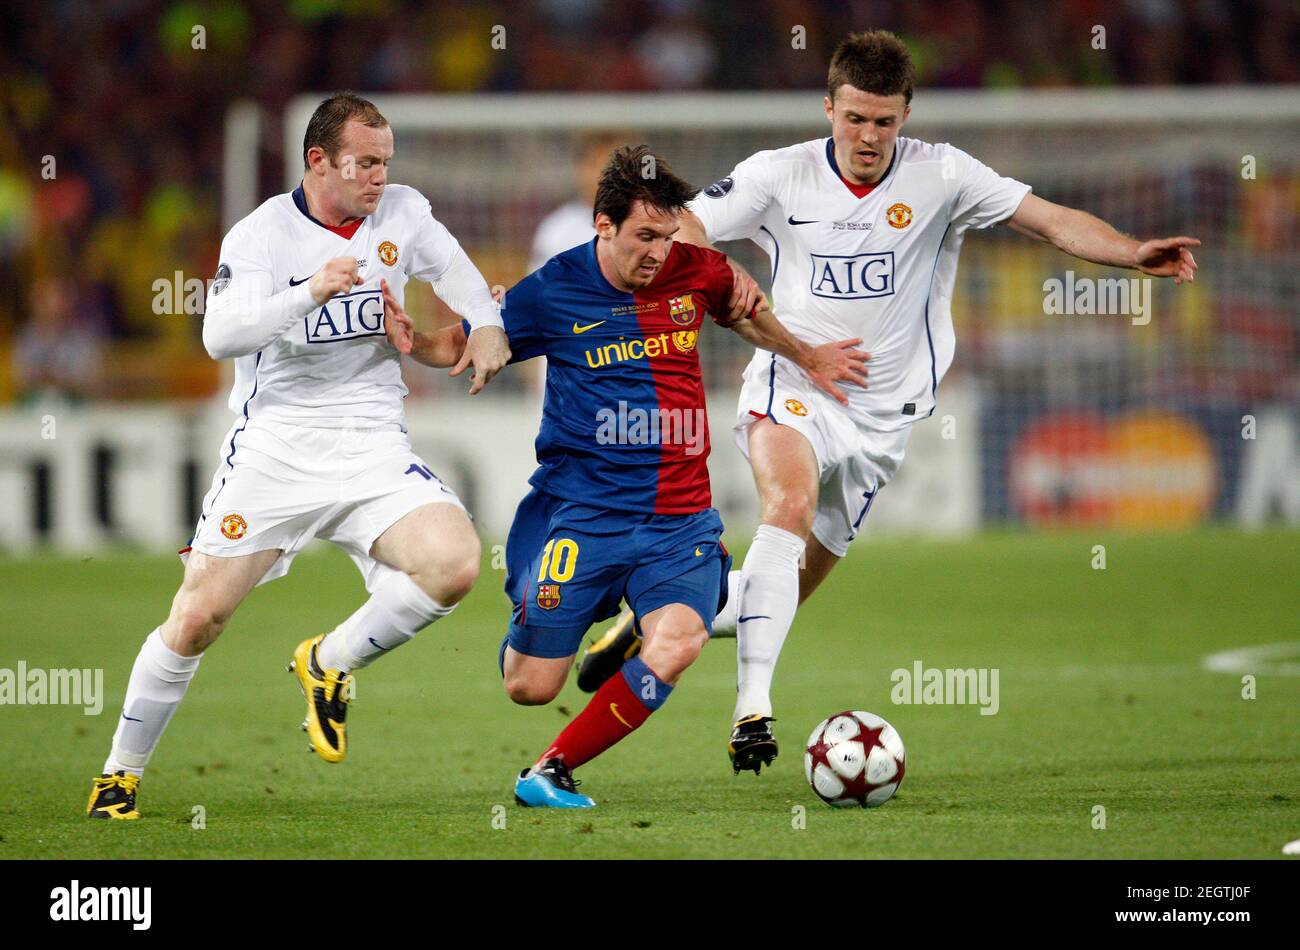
[(981, 197), (733, 208), (522, 312), (439, 259), (719, 279), (245, 311)]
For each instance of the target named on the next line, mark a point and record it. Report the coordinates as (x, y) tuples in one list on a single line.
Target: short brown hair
[(638, 174), (325, 130), (875, 62)]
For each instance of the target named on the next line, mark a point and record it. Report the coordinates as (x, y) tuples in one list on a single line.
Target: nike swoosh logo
[(795, 221), (613, 707), (754, 617), (129, 719), (377, 646), (295, 283), (589, 326), (699, 553)]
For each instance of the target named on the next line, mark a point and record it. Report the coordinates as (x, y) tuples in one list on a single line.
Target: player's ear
[(907, 110), (605, 225), (829, 106), (314, 156)]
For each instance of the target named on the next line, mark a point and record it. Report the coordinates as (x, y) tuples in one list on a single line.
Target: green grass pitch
[(1103, 702)]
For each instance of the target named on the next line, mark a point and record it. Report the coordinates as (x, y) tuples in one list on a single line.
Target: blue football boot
[(550, 786)]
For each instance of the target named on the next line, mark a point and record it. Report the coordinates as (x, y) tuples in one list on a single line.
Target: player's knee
[(530, 691), (791, 509), (675, 649), (451, 575), (690, 644), (196, 624), (458, 580)]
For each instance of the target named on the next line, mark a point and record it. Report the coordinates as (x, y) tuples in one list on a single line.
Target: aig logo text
[(346, 317), (853, 277)]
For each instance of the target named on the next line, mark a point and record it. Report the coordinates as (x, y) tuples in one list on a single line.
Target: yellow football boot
[(607, 655), (113, 796), (752, 744), (328, 693)]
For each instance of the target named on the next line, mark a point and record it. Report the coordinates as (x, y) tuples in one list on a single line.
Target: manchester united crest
[(684, 340), (234, 526), (899, 215), (388, 253), (682, 310), (796, 407), (548, 596)]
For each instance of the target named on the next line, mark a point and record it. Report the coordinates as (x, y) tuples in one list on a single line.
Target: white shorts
[(281, 486), (854, 462)]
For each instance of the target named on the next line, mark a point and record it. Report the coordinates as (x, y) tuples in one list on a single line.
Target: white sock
[(157, 686), (724, 624), (768, 597), (395, 613)]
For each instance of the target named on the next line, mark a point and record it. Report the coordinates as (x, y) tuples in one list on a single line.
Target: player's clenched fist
[(338, 276), (488, 351)]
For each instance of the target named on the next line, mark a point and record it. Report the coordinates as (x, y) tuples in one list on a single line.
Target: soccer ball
[(854, 758)]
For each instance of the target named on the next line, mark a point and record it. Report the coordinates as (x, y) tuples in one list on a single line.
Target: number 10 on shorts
[(559, 558)]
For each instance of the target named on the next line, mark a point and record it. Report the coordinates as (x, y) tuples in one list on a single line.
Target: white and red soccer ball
[(854, 758)]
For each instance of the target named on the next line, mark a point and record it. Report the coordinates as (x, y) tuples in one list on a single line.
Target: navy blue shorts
[(568, 565)]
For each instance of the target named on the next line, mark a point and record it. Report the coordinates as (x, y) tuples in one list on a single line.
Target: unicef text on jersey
[(346, 317), (853, 277)]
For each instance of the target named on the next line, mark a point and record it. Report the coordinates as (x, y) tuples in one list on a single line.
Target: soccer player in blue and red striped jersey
[(620, 506)]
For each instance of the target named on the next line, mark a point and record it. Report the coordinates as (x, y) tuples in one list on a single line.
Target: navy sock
[(645, 684)]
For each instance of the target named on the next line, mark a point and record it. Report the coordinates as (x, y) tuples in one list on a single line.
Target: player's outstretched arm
[(439, 349), (1089, 238), (691, 230), (462, 288), (826, 365), (448, 346), (745, 292)]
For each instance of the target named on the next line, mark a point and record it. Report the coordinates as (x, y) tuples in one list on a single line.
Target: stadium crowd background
[(132, 116)]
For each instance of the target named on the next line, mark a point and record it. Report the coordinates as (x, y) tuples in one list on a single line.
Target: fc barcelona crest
[(548, 596), (682, 310)]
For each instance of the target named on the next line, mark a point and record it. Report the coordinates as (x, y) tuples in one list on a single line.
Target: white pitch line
[(1269, 659)]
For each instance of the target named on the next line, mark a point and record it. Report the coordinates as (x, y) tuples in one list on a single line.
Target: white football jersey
[(881, 267), (330, 365)]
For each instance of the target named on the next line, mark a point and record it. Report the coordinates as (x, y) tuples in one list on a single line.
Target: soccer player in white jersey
[(318, 447), (863, 230)]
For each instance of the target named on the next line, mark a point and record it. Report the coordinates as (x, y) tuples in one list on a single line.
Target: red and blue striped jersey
[(624, 423)]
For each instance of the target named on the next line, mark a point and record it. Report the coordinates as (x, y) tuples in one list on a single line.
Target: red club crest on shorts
[(796, 407), (234, 526), (548, 596)]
